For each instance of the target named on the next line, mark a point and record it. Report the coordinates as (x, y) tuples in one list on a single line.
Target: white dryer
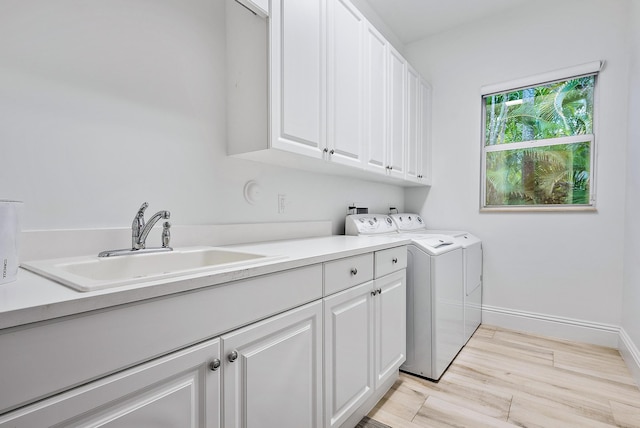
[(472, 266), (472, 257), (435, 297)]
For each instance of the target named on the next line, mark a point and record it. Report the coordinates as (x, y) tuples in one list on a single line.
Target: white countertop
[(32, 298)]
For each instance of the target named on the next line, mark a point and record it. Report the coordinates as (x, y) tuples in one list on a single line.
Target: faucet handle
[(143, 207), (166, 234)]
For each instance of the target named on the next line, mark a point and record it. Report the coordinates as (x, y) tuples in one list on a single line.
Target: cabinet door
[(273, 371), (390, 325), (298, 79), (345, 96), (397, 112), (348, 353), (376, 84), (179, 390), (414, 115), (424, 168)]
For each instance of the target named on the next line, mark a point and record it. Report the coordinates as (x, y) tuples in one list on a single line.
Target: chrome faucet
[(139, 232)]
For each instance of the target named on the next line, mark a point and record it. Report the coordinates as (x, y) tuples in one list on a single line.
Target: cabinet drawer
[(391, 260), (345, 273)]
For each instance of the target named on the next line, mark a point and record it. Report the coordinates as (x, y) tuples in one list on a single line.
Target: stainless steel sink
[(95, 273)]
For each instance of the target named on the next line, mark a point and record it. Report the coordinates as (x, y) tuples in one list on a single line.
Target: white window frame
[(583, 70)]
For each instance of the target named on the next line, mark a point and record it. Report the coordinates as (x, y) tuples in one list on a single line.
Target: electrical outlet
[(282, 202)]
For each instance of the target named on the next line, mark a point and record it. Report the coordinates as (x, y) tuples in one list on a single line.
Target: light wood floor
[(503, 378)]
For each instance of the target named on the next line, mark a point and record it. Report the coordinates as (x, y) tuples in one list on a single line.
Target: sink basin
[(95, 273)]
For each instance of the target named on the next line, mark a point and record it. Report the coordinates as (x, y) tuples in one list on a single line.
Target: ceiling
[(413, 20)]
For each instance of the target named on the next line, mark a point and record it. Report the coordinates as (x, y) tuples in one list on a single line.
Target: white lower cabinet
[(390, 325), (323, 363), (273, 371), (178, 390), (348, 352), (365, 342), (272, 377)]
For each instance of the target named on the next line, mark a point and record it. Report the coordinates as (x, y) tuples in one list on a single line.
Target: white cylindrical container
[(9, 239)]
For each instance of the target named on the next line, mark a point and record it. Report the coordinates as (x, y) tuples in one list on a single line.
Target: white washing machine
[(472, 266), (435, 302)]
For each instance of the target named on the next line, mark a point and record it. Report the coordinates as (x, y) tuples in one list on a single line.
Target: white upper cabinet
[(424, 143), (298, 83), (376, 83), (397, 112), (259, 7), (315, 85), (418, 152), (345, 84)]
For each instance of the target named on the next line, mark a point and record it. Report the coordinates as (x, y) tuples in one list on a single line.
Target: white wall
[(565, 266), (631, 291), (104, 105)]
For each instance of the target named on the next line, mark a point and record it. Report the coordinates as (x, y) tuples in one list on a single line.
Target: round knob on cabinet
[(331, 151), (214, 365), (373, 293), (354, 271), (394, 260), (233, 356), (379, 290)]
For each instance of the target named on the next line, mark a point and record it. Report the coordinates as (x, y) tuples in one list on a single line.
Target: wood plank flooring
[(504, 378)]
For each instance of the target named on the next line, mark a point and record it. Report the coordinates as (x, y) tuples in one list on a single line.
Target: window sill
[(530, 209)]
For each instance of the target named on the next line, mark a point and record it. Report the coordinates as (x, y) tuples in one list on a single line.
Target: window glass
[(547, 175), (538, 145), (559, 109)]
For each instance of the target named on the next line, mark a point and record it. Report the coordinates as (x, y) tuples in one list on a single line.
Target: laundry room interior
[(107, 105)]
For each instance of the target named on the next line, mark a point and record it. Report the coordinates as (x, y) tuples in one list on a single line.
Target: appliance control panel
[(407, 222), (369, 224)]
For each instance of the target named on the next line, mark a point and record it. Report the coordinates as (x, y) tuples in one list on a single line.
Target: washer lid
[(436, 244)]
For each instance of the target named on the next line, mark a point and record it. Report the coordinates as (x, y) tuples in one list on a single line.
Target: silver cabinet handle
[(233, 356), (354, 271), (214, 365), (394, 260)]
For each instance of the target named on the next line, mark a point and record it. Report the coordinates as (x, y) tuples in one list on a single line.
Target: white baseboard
[(552, 326), (630, 354)]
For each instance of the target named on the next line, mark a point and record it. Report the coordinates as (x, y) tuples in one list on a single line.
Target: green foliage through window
[(538, 145)]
